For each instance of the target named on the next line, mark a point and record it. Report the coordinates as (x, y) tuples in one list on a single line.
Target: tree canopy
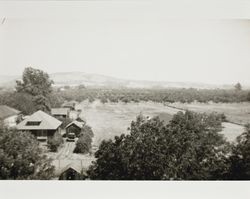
[(188, 148), (36, 85), (21, 158), (35, 82), (240, 158)]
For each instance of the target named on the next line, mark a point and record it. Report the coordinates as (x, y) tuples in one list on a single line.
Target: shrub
[(84, 142), (87, 130), (55, 142)]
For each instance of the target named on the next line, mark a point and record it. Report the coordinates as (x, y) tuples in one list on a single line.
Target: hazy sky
[(135, 40)]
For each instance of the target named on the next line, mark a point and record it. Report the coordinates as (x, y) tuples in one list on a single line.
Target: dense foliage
[(33, 93), (21, 158), (157, 95), (34, 82), (84, 142), (188, 148), (240, 158), (55, 141)]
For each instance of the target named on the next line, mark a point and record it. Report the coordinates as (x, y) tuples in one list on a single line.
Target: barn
[(75, 127)]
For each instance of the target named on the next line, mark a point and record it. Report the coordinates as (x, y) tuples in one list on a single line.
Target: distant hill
[(8, 81), (95, 80)]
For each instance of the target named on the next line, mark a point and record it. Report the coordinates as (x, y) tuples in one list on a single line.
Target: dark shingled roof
[(6, 111)]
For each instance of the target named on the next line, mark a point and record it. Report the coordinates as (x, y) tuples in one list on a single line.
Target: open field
[(111, 119), (238, 113)]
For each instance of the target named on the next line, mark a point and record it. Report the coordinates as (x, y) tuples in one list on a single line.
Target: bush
[(87, 130), (55, 142), (83, 144)]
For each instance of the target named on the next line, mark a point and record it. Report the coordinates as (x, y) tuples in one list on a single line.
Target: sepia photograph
[(115, 90)]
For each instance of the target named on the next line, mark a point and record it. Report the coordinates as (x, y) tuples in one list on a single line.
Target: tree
[(23, 102), (238, 87), (240, 158), (21, 158), (35, 82), (42, 103), (84, 142), (87, 130), (248, 96), (188, 148), (55, 142)]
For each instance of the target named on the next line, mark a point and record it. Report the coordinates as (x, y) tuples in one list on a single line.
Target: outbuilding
[(75, 127), (60, 113), (72, 172)]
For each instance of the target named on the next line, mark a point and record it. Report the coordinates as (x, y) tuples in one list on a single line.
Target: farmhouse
[(71, 105), (75, 127), (41, 125), (60, 113), (9, 115)]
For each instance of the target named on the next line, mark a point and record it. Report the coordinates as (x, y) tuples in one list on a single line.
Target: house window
[(33, 123)]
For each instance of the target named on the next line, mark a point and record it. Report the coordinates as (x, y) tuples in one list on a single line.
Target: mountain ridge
[(97, 80)]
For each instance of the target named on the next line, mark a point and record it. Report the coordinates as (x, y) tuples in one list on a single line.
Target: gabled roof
[(59, 111), (41, 121), (77, 167), (80, 119), (78, 124), (6, 111)]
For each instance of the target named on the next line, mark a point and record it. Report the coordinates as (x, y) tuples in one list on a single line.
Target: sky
[(141, 40)]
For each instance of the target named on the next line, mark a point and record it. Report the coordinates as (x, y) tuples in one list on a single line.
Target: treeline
[(28, 103), (156, 95)]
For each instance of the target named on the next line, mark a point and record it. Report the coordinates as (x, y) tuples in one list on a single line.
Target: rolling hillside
[(95, 80)]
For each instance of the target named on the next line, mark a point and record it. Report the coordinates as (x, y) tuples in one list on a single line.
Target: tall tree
[(35, 82)]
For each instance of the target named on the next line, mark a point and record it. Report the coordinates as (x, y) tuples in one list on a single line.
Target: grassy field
[(238, 113), (111, 119)]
